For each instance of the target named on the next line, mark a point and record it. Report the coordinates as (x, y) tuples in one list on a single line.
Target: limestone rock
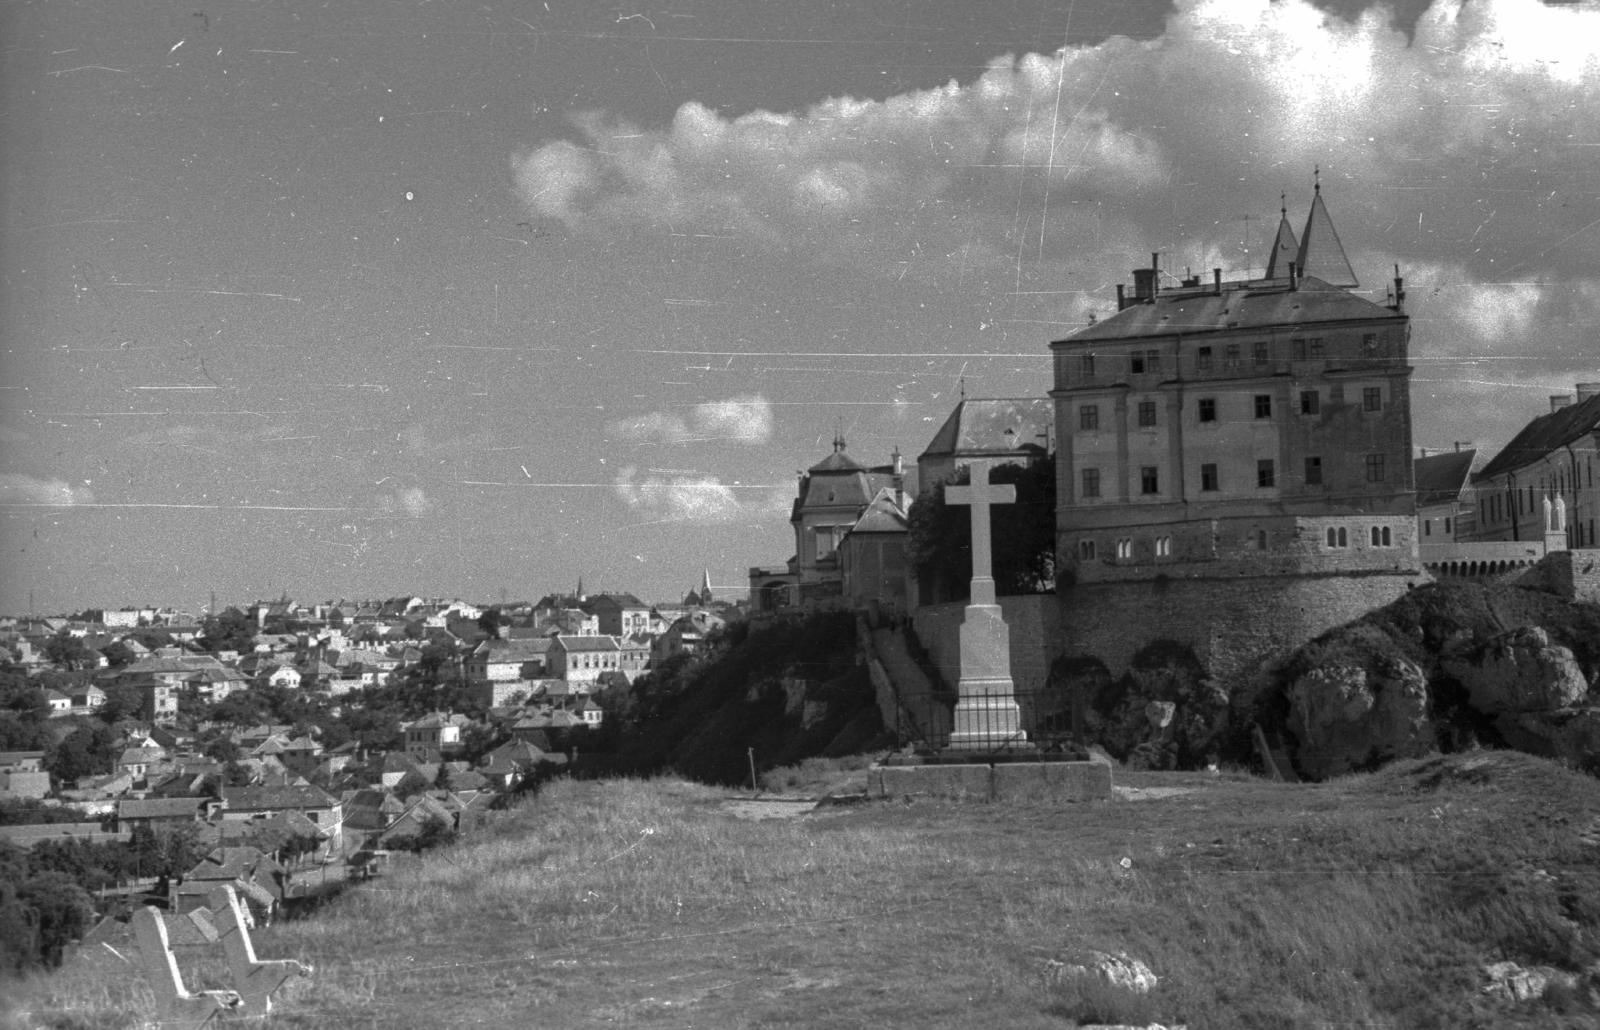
[(1511, 982), (1119, 970), (1349, 717), (1520, 671), (1572, 733)]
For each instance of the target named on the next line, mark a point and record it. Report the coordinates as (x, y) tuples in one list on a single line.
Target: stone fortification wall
[(1233, 547), (1232, 625), (1573, 575)]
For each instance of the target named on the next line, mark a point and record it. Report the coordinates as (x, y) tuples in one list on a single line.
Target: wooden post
[(751, 752)]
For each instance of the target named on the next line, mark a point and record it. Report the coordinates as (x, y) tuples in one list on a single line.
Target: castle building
[(1543, 481), (1257, 427), (832, 497)]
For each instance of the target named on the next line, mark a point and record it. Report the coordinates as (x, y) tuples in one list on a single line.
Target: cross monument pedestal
[(986, 717)]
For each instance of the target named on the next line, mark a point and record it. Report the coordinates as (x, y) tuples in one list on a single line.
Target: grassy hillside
[(1372, 900)]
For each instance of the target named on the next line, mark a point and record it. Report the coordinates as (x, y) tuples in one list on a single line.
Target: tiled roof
[(602, 643), (1238, 307), (1003, 425), (1543, 435), (883, 515), (1440, 478), (247, 798), (159, 808)]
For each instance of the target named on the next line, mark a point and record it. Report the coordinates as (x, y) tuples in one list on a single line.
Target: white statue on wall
[(1560, 524)]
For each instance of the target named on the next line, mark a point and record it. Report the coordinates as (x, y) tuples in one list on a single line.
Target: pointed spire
[(579, 594), (1284, 248), (705, 587), (838, 438), (1321, 253)]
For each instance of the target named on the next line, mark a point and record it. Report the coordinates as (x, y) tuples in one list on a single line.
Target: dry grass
[(1365, 902)]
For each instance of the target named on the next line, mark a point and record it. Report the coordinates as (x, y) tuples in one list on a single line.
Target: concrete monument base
[(999, 781)]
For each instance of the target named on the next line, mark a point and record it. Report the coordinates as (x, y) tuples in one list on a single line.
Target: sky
[(468, 300)]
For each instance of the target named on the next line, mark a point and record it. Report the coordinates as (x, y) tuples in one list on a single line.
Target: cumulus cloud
[(16, 488), (741, 419), (1460, 142), (702, 500), (1463, 153), (412, 502)]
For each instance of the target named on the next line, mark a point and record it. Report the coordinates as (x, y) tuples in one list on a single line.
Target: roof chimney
[(1216, 280), (1559, 401), (1587, 390)]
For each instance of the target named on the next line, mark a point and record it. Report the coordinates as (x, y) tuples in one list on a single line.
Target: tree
[(433, 832), (1022, 535), (232, 630), (118, 654), (62, 912), (68, 652), (86, 751)]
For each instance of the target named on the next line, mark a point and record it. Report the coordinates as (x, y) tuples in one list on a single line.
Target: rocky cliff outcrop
[(1450, 665), (1164, 713), (1519, 671), (1347, 718)]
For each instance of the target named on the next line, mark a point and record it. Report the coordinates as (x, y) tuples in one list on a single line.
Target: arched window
[(1388, 541), (1344, 539), (1374, 536), (1124, 548), (1086, 550), (1333, 537)]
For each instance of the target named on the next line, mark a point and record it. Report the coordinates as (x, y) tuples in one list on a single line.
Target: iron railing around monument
[(1044, 718)]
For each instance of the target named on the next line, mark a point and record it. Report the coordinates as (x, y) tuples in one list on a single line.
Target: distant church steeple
[(1284, 249), (579, 595), (1321, 253)]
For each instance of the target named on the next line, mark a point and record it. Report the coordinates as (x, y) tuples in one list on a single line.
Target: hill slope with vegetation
[(1381, 899), (789, 688)]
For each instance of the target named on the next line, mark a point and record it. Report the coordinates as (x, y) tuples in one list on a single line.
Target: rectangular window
[(1136, 362), (1299, 349), (1147, 413), (1315, 344), (1230, 356), (1263, 405), (1152, 361), (1372, 398), (1313, 472), (1208, 478), (1262, 354), (1447, 529), (1265, 475), (1427, 527), (1202, 359), (1310, 402), (1147, 480), (1374, 468), (1089, 417), (1086, 366), (1091, 482), (1208, 409), (1369, 345)]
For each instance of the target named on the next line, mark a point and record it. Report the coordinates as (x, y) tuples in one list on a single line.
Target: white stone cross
[(986, 716), (980, 495)]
